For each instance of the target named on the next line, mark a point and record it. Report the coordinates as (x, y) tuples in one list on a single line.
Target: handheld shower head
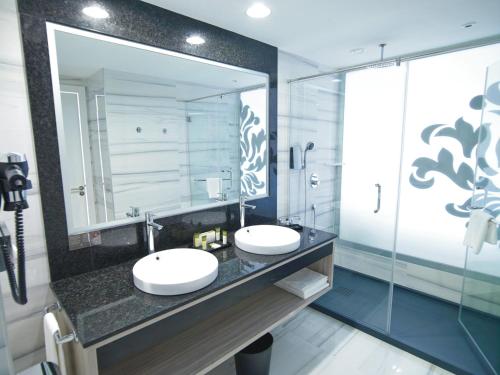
[(309, 147)]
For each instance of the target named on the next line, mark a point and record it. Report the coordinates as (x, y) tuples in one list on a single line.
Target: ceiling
[(324, 31)]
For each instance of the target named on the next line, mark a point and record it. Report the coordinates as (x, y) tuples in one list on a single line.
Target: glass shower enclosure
[(213, 123), (404, 151)]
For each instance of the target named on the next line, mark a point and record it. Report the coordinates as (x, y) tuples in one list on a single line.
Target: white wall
[(24, 322), (153, 161)]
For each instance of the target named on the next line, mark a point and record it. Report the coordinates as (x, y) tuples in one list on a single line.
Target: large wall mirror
[(146, 129)]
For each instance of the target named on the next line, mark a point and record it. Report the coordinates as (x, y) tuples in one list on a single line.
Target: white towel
[(480, 228), (492, 234), (306, 293), (54, 353), (304, 283), (213, 187)]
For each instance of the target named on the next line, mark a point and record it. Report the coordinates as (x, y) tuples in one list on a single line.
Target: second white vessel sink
[(175, 271), (267, 239)]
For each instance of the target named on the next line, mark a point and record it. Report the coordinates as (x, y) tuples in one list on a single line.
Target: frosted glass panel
[(253, 142), (373, 117), (480, 311), (443, 114)]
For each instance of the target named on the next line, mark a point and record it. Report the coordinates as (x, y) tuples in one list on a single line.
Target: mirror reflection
[(142, 129)]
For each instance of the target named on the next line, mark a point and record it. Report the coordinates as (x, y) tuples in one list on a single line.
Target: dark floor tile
[(421, 324), (358, 297)]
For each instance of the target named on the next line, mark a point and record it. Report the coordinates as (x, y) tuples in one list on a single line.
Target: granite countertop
[(103, 303)]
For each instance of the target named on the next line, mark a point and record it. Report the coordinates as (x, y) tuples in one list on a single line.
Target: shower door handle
[(379, 193)]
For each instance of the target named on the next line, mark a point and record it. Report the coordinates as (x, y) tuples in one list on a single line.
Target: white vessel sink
[(175, 271), (267, 239)]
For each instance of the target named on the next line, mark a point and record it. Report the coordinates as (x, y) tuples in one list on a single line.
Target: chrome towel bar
[(56, 306)]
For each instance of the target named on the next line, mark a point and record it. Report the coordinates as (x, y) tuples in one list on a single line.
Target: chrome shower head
[(309, 147), (382, 63)]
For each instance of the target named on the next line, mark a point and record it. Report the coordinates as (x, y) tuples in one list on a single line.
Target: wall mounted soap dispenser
[(296, 157)]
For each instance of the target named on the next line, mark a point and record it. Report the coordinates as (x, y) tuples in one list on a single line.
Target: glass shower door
[(480, 304), (372, 136), (212, 127)]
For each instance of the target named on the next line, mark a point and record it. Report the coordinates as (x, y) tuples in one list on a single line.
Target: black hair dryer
[(13, 186)]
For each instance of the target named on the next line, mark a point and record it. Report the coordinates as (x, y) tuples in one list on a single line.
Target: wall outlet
[(84, 240)]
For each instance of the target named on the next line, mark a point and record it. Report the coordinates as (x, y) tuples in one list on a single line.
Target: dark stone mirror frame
[(139, 22)]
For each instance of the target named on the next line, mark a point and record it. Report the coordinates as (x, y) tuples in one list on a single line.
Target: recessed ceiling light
[(195, 40), (258, 10), (336, 80), (357, 51), (468, 24), (95, 11)]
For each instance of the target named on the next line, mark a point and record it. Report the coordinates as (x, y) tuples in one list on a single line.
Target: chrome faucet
[(244, 205), (150, 229)]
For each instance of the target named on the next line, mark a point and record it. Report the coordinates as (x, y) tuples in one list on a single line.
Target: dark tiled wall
[(143, 23)]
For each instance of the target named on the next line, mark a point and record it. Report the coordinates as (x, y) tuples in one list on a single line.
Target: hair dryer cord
[(18, 290)]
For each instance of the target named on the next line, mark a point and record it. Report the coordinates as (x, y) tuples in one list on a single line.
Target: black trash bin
[(255, 359)]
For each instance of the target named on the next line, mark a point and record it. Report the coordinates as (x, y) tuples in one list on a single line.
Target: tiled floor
[(428, 325), (313, 343)]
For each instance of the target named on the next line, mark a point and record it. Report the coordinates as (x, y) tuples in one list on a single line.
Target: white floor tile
[(366, 355), (292, 354), (314, 343)]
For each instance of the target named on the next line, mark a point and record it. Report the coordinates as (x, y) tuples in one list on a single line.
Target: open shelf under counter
[(207, 344)]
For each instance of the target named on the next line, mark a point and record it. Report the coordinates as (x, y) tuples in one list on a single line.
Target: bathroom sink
[(267, 239), (175, 271)]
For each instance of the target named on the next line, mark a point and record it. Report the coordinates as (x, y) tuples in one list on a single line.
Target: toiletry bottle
[(224, 237), (217, 234), (210, 235), (204, 242), (196, 240)]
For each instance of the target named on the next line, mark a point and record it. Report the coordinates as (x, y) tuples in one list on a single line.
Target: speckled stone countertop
[(103, 303)]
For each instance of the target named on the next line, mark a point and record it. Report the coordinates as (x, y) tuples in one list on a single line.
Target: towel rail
[(228, 170), (54, 307), (66, 338), (204, 179), (492, 220), (60, 339)]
